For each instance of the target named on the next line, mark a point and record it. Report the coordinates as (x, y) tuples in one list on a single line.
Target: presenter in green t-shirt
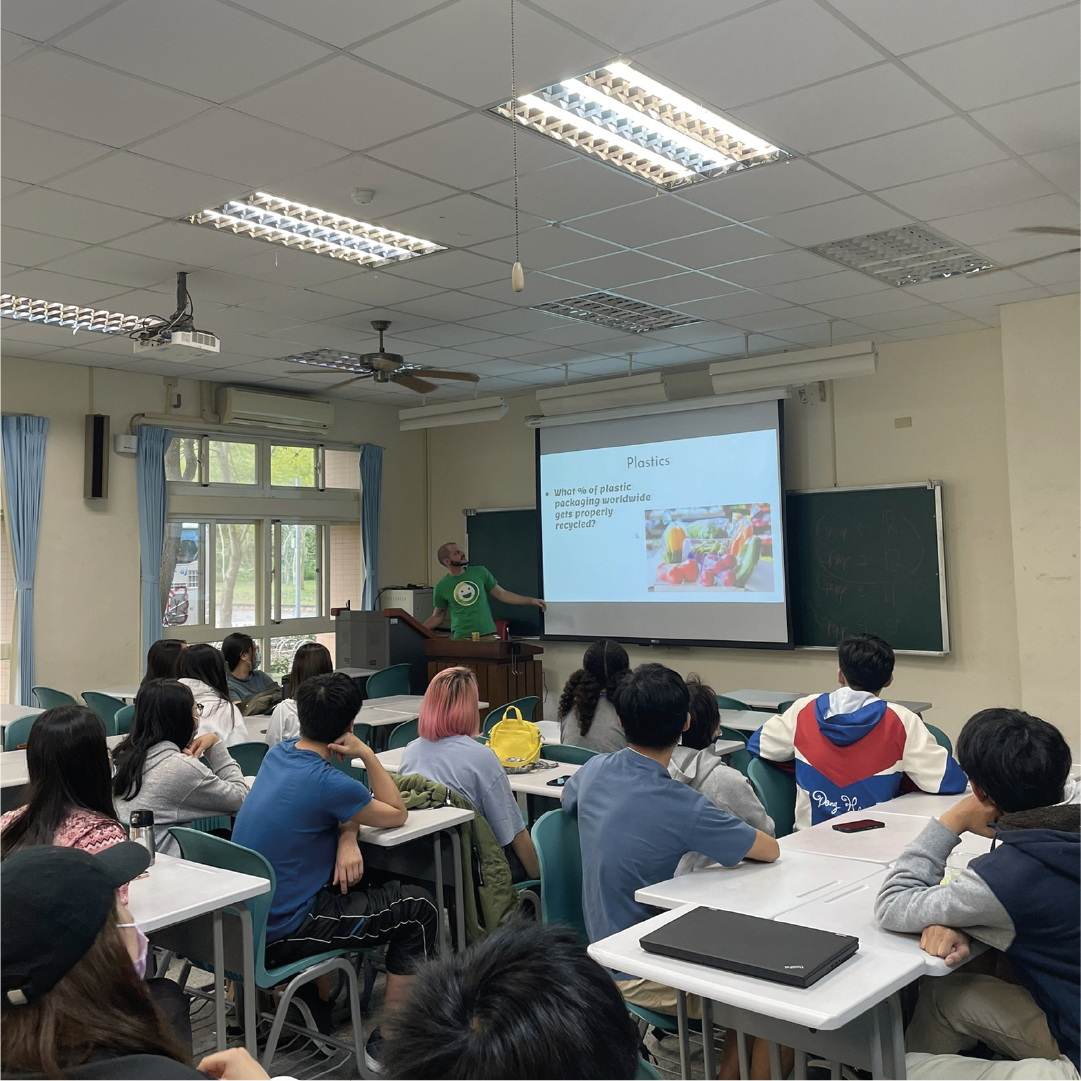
[(464, 590)]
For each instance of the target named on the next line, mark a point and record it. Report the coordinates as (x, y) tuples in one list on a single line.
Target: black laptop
[(752, 946)]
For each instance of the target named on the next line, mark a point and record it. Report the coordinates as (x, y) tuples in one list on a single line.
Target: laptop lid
[(752, 946)]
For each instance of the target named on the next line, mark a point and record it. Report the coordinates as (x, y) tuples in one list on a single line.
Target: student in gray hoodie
[(159, 767), (695, 762)]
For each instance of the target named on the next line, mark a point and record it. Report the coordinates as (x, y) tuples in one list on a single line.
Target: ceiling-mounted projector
[(176, 337)]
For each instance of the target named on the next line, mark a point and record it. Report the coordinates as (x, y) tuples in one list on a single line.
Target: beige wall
[(87, 584), (952, 389), (1042, 378)]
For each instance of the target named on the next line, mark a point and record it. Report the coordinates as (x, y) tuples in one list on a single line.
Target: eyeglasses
[(199, 708)]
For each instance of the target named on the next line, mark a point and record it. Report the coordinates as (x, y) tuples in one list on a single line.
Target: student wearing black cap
[(73, 1001)]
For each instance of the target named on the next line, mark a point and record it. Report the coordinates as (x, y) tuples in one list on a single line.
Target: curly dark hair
[(603, 667)]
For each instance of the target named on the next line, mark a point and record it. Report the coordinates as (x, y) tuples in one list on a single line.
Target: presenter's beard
[(459, 563)]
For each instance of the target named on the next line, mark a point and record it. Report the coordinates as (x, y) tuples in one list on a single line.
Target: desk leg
[(741, 1049), (219, 979), (459, 885), (684, 1036), (437, 855), (799, 1070), (251, 992), (775, 1061), (709, 1048), (888, 1040), (896, 1025)]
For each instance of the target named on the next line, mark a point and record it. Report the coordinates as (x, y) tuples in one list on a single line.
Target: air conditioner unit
[(258, 409), (794, 369), (645, 389)]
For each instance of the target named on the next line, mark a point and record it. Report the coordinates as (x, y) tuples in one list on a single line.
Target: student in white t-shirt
[(311, 659), (201, 668)]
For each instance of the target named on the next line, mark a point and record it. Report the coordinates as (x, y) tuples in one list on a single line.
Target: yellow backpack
[(516, 741)]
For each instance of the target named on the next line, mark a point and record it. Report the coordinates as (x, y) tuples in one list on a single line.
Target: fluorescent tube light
[(619, 313), (307, 228), (69, 315), (645, 389), (795, 368), (635, 123), (477, 411)]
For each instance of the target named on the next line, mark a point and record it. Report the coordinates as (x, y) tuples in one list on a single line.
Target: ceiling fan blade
[(1025, 262), (346, 382), (1053, 230), (419, 385), (439, 373)]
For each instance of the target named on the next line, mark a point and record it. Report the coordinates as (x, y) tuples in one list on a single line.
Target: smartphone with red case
[(859, 825)]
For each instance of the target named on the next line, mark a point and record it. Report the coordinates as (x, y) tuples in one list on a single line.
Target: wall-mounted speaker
[(96, 472)]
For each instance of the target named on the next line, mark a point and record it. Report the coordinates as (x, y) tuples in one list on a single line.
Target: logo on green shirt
[(466, 593)]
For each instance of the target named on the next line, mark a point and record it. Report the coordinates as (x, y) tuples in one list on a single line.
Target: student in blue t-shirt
[(636, 822), (303, 817)]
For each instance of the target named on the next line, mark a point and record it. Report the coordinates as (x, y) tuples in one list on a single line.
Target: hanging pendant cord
[(514, 128)]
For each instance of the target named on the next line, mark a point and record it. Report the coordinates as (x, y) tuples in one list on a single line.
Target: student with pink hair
[(447, 753)]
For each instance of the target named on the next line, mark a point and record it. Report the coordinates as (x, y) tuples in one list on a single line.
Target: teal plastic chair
[(249, 756), (17, 732), (784, 707), (106, 707), (388, 681), (403, 734), (777, 791), (940, 737), (47, 698), (363, 732), (724, 702), (123, 720), (216, 852), (565, 752), (740, 760), (732, 733), (527, 707), (214, 822), (647, 1071)]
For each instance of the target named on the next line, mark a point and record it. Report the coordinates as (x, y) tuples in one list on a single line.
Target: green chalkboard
[(868, 560), (505, 541)]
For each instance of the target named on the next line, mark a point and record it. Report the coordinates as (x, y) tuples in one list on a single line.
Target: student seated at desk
[(304, 816), (1022, 898), (447, 753), (527, 1001), (201, 668), (311, 659), (695, 762), (852, 749), (162, 657), (245, 680), (159, 767), (587, 717), (635, 823)]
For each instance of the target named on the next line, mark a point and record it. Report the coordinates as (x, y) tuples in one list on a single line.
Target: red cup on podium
[(502, 630)]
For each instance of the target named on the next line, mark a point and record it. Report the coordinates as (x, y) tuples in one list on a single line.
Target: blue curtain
[(24, 475), (371, 489), (150, 482)]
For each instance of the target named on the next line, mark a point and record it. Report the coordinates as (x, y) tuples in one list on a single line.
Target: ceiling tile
[(983, 70), (480, 30), (883, 300), (703, 334), (779, 319), (677, 289), (1061, 167), (130, 180), (46, 285), (571, 189), (613, 271), (821, 334), (371, 287), (835, 112), (52, 336), (547, 247), (288, 269), (304, 305), (119, 267), (160, 300), (663, 217), (944, 146), (205, 285), (760, 54), (250, 321), (919, 23), (212, 50), (725, 245), (340, 24), (31, 249), (187, 245), (34, 154), (324, 101), (573, 332), (239, 147), (12, 46), (991, 185), (516, 321), (505, 345), (470, 152), (58, 214), (845, 283), (984, 308), (69, 95), (833, 221), (450, 334), (1039, 122), (903, 319), (1053, 271), (1000, 222), (723, 308), (13, 348), (451, 269), (10, 187), (539, 289), (961, 287), (785, 266), (935, 330), (768, 189), (319, 336), (462, 219), (43, 19), (452, 306)]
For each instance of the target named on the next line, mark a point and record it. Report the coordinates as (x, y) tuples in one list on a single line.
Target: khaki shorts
[(657, 997)]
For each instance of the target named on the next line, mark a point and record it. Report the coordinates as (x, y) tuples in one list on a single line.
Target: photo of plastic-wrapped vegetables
[(725, 549)]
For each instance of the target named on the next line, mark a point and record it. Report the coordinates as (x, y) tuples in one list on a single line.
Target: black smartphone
[(559, 782), (859, 825)]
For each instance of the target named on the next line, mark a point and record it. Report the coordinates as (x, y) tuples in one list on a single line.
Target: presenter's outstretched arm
[(507, 597), (435, 618)]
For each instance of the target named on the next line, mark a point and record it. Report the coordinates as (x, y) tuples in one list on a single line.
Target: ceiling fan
[(1045, 230), (381, 366)]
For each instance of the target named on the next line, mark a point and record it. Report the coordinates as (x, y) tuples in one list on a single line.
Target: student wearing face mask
[(242, 659)]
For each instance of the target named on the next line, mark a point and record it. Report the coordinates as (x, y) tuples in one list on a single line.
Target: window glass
[(182, 459), (183, 574), (300, 563), (232, 463), (346, 565), (342, 468), (235, 552), (292, 467), (281, 653)]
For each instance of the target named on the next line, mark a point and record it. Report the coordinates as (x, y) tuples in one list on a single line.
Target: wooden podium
[(504, 670)]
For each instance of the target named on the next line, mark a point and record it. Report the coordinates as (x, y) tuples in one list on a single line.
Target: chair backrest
[(565, 752), (724, 702), (47, 698), (732, 733), (403, 734), (17, 732), (388, 681), (940, 737), (249, 756), (740, 760), (647, 1071), (526, 706), (363, 731), (777, 791), (123, 720), (559, 853), (106, 707)]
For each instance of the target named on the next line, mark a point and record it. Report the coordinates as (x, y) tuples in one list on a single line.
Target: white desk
[(408, 702), (127, 691), (9, 713), (769, 701), (377, 716), (549, 730), (535, 783), (743, 720), (176, 891), (923, 804), (13, 771), (357, 673), (850, 1015), (760, 889)]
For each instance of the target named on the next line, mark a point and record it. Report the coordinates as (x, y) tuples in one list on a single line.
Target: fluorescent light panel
[(68, 315), (619, 313), (477, 411), (307, 228), (639, 125), (329, 360), (905, 256)]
